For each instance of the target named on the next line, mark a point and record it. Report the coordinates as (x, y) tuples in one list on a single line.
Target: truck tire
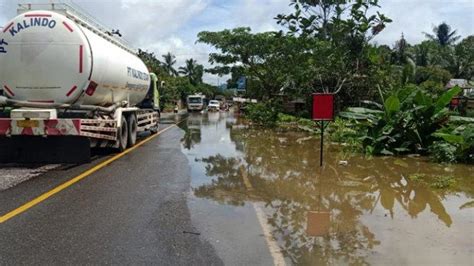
[(123, 135), (155, 129), (132, 130)]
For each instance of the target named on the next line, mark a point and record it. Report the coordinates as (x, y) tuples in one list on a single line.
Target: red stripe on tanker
[(67, 26), (80, 57), (9, 90), (7, 27), (71, 91)]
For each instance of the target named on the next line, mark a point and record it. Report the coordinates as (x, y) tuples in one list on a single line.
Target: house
[(465, 101), (466, 85)]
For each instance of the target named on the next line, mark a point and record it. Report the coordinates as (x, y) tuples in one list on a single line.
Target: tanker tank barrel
[(15, 103)]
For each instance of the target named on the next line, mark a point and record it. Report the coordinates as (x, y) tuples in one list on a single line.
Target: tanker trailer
[(65, 75)]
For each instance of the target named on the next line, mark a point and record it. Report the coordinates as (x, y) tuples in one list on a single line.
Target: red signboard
[(323, 106)]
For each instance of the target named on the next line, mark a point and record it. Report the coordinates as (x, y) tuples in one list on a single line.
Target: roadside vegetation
[(176, 83), (391, 100)]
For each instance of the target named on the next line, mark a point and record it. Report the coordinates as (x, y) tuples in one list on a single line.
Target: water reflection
[(284, 174)]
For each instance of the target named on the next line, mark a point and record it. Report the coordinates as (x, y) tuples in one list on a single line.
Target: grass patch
[(443, 182), (437, 182), (416, 177)]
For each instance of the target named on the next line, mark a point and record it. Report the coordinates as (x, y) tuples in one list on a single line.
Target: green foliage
[(443, 152), (176, 87), (443, 35), (193, 71), (168, 64), (347, 132), (405, 123), (286, 118), (432, 73), (455, 142), (334, 20), (438, 182), (443, 182), (416, 177), (269, 60), (262, 114)]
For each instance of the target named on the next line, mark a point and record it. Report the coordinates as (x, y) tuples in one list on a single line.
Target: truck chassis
[(118, 130)]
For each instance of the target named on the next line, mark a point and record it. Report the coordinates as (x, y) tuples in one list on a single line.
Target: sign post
[(323, 110)]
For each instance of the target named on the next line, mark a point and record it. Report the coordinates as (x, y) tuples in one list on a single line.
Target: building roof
[(462, 83)]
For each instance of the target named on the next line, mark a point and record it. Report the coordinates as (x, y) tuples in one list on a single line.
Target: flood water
[(360, 211)]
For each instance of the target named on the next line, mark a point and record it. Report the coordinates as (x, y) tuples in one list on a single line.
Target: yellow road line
[(78, 178)]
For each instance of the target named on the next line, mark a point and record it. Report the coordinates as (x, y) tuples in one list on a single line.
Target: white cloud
[(413, 17)]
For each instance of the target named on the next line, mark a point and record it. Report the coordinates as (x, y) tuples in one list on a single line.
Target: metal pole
[(322, 144)]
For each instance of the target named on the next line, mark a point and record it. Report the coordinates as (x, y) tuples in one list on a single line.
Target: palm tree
[(192, 70), (423, 53), (169, 63), (188, 69), (443, 35)]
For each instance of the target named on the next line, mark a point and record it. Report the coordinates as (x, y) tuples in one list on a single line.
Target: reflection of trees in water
[(284, 175), (191, 137)]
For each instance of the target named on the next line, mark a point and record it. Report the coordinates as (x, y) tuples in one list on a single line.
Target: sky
[(160, 26)]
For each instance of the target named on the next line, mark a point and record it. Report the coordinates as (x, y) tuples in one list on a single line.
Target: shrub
[(286, 118), (263, 114), (432, 73), (443, 152), (443, 182), (455, 144)]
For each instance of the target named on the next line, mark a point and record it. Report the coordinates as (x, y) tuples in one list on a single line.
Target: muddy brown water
[(354, 210)]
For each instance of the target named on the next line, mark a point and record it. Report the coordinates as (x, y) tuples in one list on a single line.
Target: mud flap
[(29, 149)]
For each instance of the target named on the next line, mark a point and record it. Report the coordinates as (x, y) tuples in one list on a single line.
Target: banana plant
[(403, 122)]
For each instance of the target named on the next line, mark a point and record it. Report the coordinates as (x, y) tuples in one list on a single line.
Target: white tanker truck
[(65, 76)]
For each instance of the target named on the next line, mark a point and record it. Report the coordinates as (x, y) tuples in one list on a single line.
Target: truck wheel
[(155, 129), (132, 130), (123, 135)]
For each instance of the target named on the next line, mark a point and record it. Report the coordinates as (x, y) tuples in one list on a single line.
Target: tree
[(334, 19), (339, 32), (461, 61), (150, 60), (424, 52), (193, 71), (268, 59), (169, 63), (443, 35)]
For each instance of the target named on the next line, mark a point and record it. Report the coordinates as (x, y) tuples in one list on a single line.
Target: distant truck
[(66, 77), (196, 102)]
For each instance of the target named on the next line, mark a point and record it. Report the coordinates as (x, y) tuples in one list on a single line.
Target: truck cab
[(196, 102)]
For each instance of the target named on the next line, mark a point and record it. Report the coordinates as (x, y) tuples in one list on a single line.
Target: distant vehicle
[(196, 102), (214, 105)]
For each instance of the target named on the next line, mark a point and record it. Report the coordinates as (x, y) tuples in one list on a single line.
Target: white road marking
[(275, 251), (273, 247)]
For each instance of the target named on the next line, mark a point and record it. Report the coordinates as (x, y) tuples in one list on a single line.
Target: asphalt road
[(133, 211)]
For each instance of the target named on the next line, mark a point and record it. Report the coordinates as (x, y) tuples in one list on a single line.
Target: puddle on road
[(368, 211)]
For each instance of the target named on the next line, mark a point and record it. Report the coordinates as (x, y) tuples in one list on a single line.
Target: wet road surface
[(213, 191), (131, 212)]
